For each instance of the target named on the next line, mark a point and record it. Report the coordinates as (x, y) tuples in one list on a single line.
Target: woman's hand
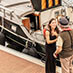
[(55, 33)]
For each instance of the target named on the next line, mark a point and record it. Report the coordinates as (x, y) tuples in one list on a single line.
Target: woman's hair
[(57, 30), (51, 20)]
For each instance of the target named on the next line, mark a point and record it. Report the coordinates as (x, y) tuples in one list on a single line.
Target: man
[(64, 46)]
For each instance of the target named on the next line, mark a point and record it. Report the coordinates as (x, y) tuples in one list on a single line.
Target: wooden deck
[(12, 61), (13, 64)]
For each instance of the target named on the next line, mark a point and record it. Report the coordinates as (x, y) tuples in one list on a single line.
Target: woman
[(51, 38)]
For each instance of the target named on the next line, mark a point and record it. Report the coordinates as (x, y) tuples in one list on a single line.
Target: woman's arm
[(48, 38)]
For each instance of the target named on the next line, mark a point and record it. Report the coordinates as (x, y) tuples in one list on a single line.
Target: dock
[(12, 64), (12, 61)]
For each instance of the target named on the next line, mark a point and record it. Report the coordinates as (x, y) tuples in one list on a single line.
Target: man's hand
[(55, 55)]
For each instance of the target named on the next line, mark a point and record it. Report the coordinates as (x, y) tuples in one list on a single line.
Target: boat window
[(34, 22), (63, 12), (56, 13)]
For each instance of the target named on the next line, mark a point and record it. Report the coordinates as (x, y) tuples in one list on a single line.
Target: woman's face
[(53, 24)]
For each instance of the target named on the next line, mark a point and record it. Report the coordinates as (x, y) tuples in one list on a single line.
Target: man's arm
[(58, 50), (59, 44)]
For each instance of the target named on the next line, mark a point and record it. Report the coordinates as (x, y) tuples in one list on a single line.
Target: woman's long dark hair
[(57, 30)]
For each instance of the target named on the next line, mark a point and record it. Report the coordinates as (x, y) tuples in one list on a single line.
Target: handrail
[(2, 7), (6, 9)]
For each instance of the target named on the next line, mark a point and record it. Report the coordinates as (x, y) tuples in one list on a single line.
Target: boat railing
[(4, 9), (10, 15)]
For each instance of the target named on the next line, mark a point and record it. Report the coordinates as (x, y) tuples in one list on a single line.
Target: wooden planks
[(13, 64)]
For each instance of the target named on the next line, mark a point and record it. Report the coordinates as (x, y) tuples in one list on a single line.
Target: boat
[(22, 23), (17, 35)]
